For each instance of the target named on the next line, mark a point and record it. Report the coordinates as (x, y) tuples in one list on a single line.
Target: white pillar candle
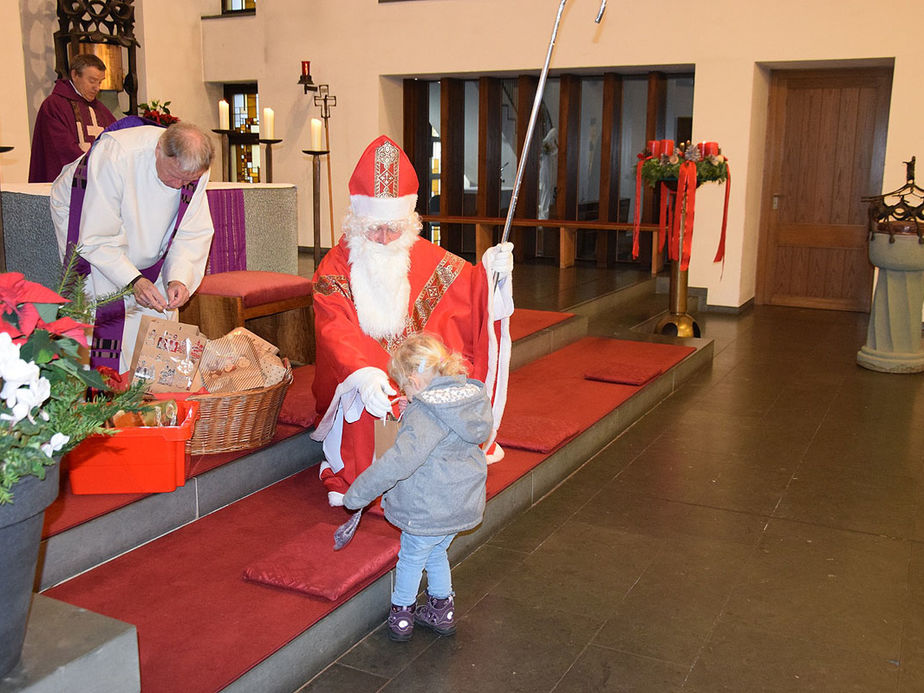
[(268, 126), (316, 126), (224, 117)]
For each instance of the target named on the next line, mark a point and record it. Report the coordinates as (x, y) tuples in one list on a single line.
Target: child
[(433, 478)]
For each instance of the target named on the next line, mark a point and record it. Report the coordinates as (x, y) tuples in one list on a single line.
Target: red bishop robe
[(448, 297)]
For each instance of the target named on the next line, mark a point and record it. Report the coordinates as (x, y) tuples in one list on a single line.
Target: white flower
[(23, 387), (16, 373), (35, 394), (58, 441), (8, 350)]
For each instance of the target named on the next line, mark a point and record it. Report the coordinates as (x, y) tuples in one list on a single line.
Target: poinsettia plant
[(158, 112), (45, 403)]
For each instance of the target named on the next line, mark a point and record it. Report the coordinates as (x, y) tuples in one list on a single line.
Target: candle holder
[(678, 322), (3, 149), (325, 101), (316, 155), (269, 157), (225, 151)]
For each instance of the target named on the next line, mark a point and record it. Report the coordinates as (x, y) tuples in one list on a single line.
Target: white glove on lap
[(374, 390)]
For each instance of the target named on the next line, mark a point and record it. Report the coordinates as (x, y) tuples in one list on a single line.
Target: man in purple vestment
[(69, 119)]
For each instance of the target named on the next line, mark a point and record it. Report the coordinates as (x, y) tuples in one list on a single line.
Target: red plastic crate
[(134, 460)]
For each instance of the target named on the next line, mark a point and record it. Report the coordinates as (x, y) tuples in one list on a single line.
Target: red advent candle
[(654, 146), (306, 67), (667, 147), (710, 149)]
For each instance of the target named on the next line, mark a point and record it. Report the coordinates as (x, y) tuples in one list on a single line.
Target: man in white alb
[(136, 207)]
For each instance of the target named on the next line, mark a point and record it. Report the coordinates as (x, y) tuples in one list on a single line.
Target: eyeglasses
[(390, 227)]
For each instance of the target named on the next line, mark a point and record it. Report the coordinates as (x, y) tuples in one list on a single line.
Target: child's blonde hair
[(423, 353)]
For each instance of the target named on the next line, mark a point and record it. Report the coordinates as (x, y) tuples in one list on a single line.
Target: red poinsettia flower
[(67, 327), (15, 290), (11, 329), (28, 318)]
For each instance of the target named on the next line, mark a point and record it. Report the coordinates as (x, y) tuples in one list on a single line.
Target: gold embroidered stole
[(445, 273)]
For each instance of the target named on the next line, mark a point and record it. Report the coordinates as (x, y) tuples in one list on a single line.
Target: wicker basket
[(230, 421)]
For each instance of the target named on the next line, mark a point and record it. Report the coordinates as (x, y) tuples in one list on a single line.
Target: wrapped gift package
[(230, 364), (139, 459)]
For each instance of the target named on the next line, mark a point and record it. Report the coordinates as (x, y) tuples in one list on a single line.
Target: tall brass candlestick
[(316, 155)]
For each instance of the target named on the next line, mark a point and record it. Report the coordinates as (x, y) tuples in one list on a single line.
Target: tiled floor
[(761, 530)]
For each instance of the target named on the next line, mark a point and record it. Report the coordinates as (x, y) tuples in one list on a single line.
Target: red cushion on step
[(309, 563), (255, 287), (536, 433), (298, 407), (624, 373)]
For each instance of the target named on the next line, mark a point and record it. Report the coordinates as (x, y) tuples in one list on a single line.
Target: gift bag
[(167, 355), (386, 430)]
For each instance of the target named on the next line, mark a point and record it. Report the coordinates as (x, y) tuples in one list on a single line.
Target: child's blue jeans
[(418, 553)]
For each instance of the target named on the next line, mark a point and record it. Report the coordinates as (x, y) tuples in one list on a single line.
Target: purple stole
[(106, 345)]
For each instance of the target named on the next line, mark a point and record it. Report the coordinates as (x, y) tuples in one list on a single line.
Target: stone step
[(72, 649), (80, 548)]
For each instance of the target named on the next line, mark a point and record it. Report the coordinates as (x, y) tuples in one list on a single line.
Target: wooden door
[(825, 152)]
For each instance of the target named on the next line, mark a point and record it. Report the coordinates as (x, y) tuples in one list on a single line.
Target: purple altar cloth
[(229, 244)]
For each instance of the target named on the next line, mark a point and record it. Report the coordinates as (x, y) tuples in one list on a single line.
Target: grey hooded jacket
[(434, 475)]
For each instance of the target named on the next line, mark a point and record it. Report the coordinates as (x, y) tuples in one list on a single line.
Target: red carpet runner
[(200, 626)]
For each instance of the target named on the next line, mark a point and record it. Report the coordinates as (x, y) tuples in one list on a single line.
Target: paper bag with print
[(167, 354)]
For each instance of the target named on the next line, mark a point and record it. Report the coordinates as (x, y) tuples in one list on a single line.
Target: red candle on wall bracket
[(306, 67), (667, 147)]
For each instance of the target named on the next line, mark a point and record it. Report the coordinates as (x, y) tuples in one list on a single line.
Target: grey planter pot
[(20, 534)]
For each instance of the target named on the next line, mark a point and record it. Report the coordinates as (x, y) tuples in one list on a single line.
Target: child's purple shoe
[(438, 615), (401, 622)]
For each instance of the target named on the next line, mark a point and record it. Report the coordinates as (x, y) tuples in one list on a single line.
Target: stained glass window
[(245, 125), (228, 6)]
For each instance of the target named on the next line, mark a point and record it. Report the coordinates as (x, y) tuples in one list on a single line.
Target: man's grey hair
[(189, 146), (84, 60)]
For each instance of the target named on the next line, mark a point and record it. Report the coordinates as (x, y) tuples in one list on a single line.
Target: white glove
[(374, 390), (498, 262), (501, 260)]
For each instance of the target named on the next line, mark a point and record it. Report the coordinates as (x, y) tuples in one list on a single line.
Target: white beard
[(380, 285)]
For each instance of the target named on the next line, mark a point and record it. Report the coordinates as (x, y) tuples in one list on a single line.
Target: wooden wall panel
[(610, 139), (487, 200), (524, 238), (569, 143), (417, 135), (452, 159)]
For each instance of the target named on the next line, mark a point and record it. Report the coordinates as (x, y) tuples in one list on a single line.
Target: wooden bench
[(274, 305)]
